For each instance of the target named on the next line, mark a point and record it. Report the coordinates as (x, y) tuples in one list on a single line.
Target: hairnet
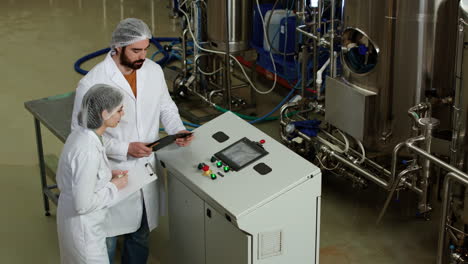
[(100, 97), (129, 31)]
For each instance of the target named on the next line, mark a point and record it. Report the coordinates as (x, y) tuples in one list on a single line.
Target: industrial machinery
[(238, 196), (214, 34), (396, 94), (390, 63), (380, 91)]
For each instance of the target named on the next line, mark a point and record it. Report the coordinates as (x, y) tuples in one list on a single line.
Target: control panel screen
[(241, 154)]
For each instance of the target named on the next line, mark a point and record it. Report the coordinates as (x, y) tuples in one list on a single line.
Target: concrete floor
[(41, 39)]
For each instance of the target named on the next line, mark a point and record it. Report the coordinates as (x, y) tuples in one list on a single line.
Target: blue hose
[(285, 99), (190, 124), (153, 40), (88, 57)]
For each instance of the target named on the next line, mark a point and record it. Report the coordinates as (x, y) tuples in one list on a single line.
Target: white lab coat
[(139, 124), (83, 177)]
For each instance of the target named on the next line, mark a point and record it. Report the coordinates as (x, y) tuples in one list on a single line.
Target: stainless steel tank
[(459, 147), (395, 52), (464, 9), (239, 20)]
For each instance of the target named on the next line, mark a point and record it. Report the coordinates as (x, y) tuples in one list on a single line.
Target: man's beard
[(131, 64)]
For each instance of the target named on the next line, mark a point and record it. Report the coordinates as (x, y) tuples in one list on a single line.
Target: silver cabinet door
[(224, 242), (186, 224)]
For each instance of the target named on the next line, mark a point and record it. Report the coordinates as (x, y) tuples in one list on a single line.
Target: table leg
[(40, 154)]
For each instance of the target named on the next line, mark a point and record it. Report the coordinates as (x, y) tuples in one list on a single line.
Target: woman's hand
[(117, 173), (120, 178)]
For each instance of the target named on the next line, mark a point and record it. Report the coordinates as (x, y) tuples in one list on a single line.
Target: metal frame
[(45, 188), (54, 113)]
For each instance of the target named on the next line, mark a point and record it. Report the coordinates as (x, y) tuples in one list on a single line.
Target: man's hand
[(139, 150), (183, 142)]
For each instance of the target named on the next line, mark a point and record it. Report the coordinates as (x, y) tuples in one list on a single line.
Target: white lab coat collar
[(94, 136), (99, 145), (116, 75)]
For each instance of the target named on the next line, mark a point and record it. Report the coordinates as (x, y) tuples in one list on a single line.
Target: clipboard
[(167, 140), (138, 177)]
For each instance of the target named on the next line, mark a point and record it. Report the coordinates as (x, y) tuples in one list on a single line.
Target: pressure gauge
[(290, 128)]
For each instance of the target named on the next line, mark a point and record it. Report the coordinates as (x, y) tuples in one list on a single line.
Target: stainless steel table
[(55, 114)]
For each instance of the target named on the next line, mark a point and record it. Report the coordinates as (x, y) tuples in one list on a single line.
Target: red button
[(262, 141), (206, 168)]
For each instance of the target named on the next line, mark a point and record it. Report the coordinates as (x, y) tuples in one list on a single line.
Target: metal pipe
[(369, 175), (372, 177), (462, 178), (283, 109), (452, 235), (414, 116), (394, 161), (300, 7), (283, 123), (392, 191), (428, 128), (307, 34), (315, 57), (227, 75), (332, 40), (305, 59), (204, 98), (238, 86), (410, 145), (319, 18), (213, 93), (196, 52), (312, 36), (358, 169), (369, 161), (184, 52), (456, 158)]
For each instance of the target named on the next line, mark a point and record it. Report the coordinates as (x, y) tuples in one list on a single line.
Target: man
[(147, 103)]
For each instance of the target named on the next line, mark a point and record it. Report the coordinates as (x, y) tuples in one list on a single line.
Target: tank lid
[(464, 8)]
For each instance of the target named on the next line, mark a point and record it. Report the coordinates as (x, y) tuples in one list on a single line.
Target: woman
[(87, 184)]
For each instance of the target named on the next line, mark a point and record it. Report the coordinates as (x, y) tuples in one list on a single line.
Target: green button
[(213, 176), (213, 159), (226, 168), (200, 166), (219, 164)]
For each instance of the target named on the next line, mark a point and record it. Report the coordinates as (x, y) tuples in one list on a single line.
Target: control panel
[(233, 158)]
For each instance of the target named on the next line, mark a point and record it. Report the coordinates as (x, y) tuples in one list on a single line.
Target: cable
[(363, 151), (335, 147), (345, 139), (267, 33), (209, 73), (325, 167), (271, 55)]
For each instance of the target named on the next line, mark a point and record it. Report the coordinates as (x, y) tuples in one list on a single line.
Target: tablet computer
[(167, 140)]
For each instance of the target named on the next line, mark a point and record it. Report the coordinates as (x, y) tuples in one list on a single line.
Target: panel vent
[(270, 244)]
